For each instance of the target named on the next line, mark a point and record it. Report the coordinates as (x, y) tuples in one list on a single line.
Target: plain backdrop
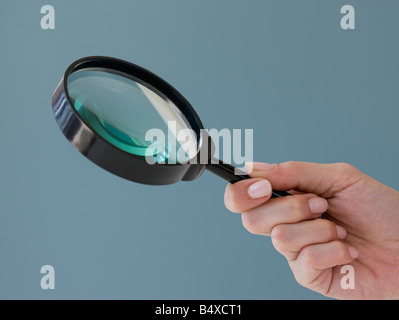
[(309, 90)]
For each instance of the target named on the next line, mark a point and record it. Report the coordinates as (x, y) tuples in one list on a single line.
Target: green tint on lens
[(122, 109)]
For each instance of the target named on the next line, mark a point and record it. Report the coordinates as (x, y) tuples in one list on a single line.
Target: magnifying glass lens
[(123, 109)]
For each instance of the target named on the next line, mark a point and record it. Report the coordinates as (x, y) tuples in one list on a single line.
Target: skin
[(366, 211)]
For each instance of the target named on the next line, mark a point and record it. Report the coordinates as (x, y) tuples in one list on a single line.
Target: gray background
[(310, 90)]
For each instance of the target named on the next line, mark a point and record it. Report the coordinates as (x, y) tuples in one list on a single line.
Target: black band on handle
[(228, 172)]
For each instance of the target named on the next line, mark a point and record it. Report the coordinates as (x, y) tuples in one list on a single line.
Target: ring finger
[(290, 239)]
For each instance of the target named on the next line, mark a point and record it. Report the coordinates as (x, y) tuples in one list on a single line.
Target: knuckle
[(249, 221), (308, 257), (289, 164), (230, 200), (347, 174), (281, 237), (232, 205), (296, 208), (341, 251), (345, 167), (330, 229)]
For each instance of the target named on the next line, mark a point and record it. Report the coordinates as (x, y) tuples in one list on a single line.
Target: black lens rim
[(106, 155)]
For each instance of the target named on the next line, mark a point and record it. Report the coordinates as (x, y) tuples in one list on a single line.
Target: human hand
[(360, 225)]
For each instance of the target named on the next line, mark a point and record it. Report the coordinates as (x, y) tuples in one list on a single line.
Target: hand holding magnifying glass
[(105, 107)]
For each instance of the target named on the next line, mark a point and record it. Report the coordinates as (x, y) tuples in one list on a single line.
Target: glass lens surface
[(123, 109)]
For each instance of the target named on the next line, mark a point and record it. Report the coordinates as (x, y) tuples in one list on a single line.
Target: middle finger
[(292, 209)]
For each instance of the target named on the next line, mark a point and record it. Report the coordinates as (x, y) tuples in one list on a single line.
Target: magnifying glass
[(116, 113)]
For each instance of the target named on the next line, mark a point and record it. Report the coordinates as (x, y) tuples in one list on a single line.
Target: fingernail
[(353, 252), (318, 205), (259, 189), (341, 232), (261, 166)]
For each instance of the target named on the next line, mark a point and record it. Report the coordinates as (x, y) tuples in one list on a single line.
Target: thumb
[(322, 179)]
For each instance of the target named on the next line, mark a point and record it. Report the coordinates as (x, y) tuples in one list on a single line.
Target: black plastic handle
[(229, 173)]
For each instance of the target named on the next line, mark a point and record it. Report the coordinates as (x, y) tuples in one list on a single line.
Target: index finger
[(247, 194)]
